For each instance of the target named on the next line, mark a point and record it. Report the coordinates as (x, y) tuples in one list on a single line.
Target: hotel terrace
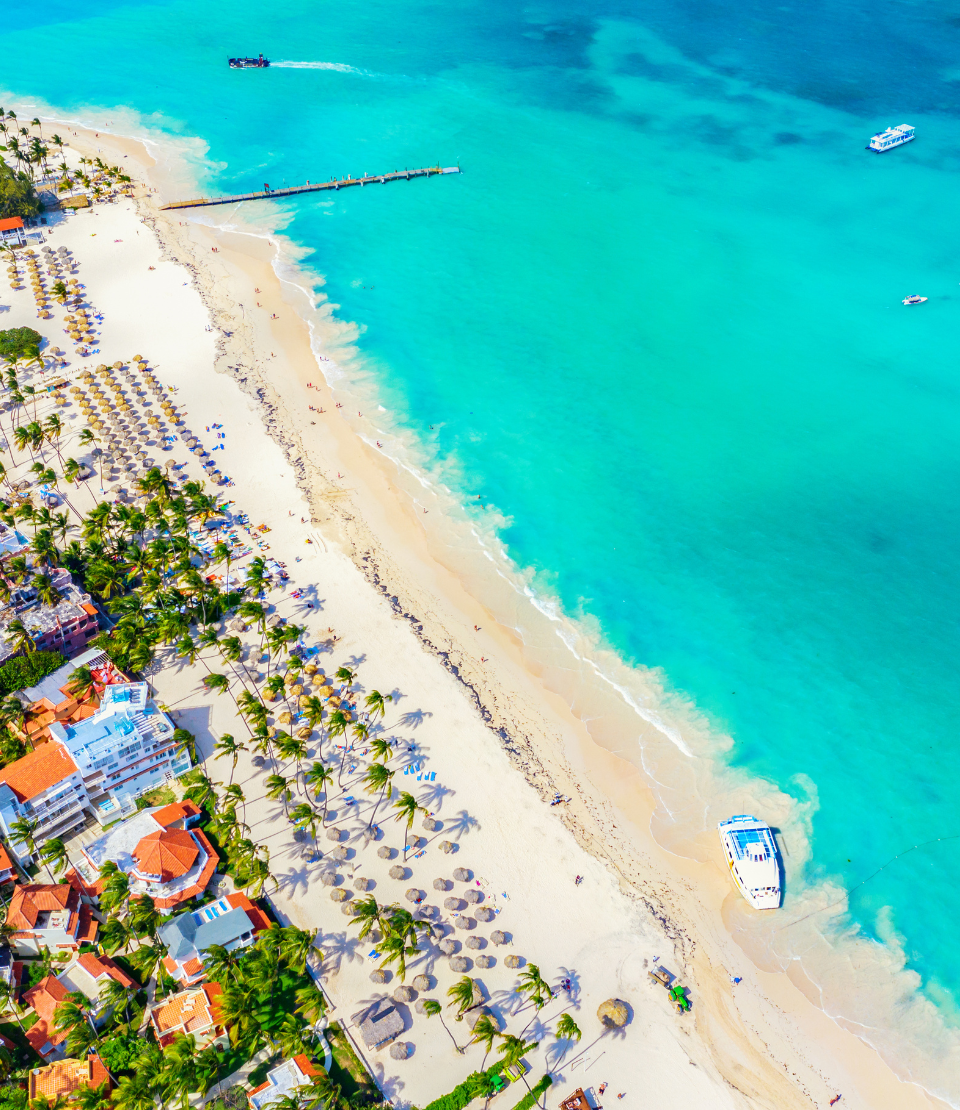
[(158, 851)]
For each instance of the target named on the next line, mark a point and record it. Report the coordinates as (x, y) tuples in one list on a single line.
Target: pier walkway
[(295, 190)]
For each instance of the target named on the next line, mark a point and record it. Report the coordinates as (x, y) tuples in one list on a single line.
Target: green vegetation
[(27, 670), (161, 796), (13, 1097), (120, 1052), (19, 343), (348, 1072), (534, 1094), (18, 197), (478, 1084)]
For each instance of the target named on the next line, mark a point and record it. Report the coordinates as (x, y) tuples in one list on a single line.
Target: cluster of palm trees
[(30, 151), (96, 175)]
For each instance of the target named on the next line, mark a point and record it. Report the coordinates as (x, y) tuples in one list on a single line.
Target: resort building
[(195, 1011), (158, 851), (86, 974), (12, 233), (44, 786), (233, 922), (282, 1082), (123, 750), (66, 627), (53, 700), (8, 872), (64, 1078), (50, 916)]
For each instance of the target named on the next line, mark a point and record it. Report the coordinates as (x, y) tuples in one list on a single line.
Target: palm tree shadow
[(462, 823), (433, 795), (414, 718), (296, 876), (337, 947)]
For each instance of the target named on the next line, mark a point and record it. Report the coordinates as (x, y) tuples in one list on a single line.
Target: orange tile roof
[(29, 901), (61, 1079), (88, 927), (188, 1010), (40, 1035), (45, 997), (167, 853), (103, 965), (305, 1066), (258, 918), (176, 811), (37, 771), (192, 967), (201, 884), (6, 864)]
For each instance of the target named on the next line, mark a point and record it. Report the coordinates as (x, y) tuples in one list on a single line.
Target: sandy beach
[(497, 712)]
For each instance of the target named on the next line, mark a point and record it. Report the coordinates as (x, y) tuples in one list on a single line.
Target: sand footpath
[(498, 736)]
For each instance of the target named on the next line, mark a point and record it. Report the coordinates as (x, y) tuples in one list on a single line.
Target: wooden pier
[(295, 190)]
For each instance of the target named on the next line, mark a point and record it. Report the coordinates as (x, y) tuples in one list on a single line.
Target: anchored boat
[(893, 136), (914, 298), (260, 62), (751, 852)]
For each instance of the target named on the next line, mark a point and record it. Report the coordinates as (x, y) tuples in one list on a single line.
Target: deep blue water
[(657, 323)]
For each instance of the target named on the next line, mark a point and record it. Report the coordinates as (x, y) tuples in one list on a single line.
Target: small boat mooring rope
[(846, 897)]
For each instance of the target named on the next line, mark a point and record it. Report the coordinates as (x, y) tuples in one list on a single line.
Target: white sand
[(764, 1043)]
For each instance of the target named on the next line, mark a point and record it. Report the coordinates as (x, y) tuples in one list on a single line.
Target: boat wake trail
[(338, 66)]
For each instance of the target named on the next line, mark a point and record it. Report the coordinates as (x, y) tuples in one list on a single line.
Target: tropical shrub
[(18, 197), (477, 1084), (19, 342), (27, 670), (534, 1094)]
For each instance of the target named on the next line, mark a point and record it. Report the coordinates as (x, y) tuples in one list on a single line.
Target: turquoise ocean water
[(657, 323)]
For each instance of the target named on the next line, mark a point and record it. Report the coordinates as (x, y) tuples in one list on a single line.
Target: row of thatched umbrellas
[(120, 406)]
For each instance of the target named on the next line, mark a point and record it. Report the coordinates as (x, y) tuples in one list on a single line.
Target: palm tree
[(534, 986), (376, 703), (485, 1032), (114, 935), (366, 914), (382, 749), (221, 965), (311, 1004), (90, 1098), (278, 789), (22, 833), (377, 780), (512, 1050), (296, 945), (114, 997), (567, 1029), (461, 996), (304, 817), (395, 949), (407, 808), (47, 592), (19, 638), (227, 746), (144, 918), (54, 853), (432, 1008)]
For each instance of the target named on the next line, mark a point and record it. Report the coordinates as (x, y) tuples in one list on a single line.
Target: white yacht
[(893, 136), (751, 852)]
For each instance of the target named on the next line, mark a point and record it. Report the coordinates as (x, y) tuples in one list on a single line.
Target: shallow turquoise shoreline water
[(657, 324)]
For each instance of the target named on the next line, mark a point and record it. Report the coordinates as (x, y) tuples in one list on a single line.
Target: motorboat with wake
[(751, 851)]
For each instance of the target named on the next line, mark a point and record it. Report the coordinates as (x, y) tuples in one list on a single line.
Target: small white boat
[(893, 136), (751, 852), (914, 299)]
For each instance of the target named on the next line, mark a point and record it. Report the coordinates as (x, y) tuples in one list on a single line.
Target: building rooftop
[(37, 771), (378, 1023), (61, 1079), (166, 855), (10, 223), (282, 1081), (32, 905), (189, 1011), (192, 933), (53, 687)]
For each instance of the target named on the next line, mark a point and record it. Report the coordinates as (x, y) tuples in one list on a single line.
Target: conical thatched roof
[(399, 1050), (613, 1014), (414, 895), (475, 942), (340, 852), (404, 994), (385, 852), (452, 903), (473, 895), (448, 946), (335, 834), (329, 878), (484, 913), (421, 982), (465, 922), (496, 937), (338, 895), (441, 884), (447, 846), (512, 961), (398, 872), (363, 883), (485, 961), (459, 963), (379, 976), (430, 824)]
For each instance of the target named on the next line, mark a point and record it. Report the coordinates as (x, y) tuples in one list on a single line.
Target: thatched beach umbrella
[(414, 895), (496, 937), (513, 961), (441, 884), (398, 872), (447, 846), (462, 875), (335, 834), (285, 717), (484, 913), (475, 942), (421, 982), (311, 669), (363, 883), (304, 733), (459, 964), (338, 895), (399, 1050), (385, 852), (473, 896), (330, 878), (452, 903), (340, 853), (379, 975), (349, 909), (404, 994), (465, 922), (431, 825), (448, 946), (613, 1014)]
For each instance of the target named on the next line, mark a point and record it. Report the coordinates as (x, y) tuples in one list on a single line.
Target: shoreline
[(614, 809)]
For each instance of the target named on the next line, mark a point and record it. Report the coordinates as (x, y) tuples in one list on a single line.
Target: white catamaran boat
[(751, 852), (893, 136)]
